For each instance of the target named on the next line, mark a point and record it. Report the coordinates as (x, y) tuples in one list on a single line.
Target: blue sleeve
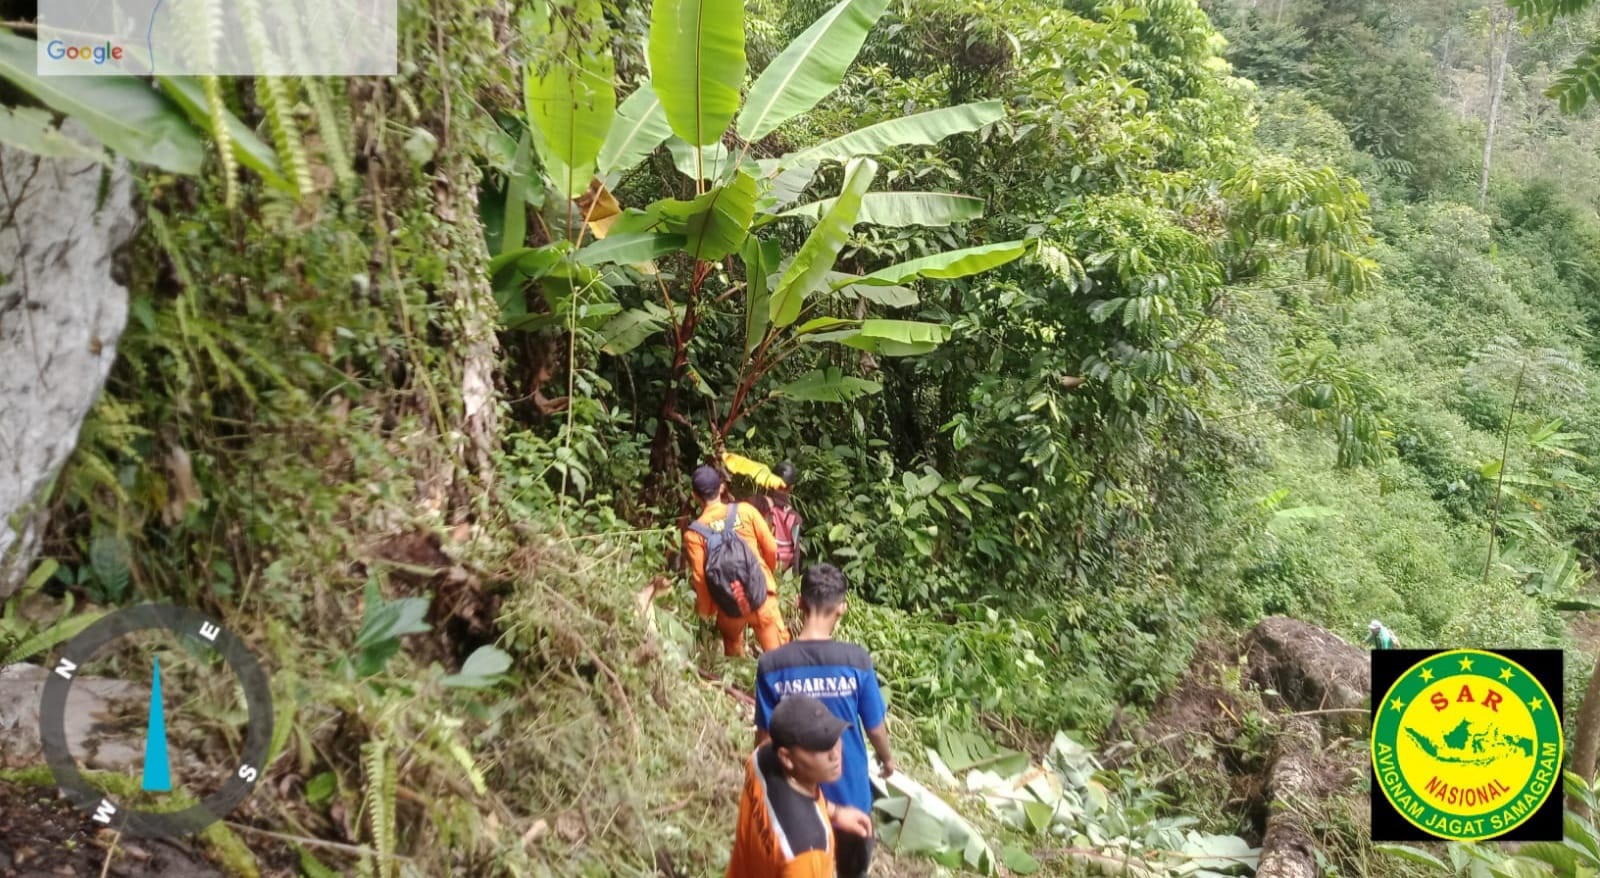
[(869, 700), (766, 699)]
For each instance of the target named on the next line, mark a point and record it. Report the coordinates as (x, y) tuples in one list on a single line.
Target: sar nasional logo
[(1467, 744)]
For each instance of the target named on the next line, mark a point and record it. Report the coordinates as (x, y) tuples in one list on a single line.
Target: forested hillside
[(1098, 331)]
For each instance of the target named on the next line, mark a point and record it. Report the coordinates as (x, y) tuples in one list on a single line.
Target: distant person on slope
[(781, 516), (841, 676), (1380, 637), (731, 555), (786, 822)]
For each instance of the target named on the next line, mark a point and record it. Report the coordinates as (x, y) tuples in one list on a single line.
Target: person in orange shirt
[(786, 826), (764, 617)]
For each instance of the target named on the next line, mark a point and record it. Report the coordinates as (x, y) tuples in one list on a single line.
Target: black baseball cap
[(707, 481), (804, 722)]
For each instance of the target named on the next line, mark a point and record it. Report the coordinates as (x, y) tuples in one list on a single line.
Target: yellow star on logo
[(1535, 704), (1505, 674), (1427, 675), (1466, 663), (1396, 704)]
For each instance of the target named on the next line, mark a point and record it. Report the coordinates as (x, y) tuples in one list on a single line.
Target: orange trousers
[(767, 621)]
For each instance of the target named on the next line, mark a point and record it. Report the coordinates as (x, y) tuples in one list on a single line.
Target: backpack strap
[(733, 516), (702, 530)]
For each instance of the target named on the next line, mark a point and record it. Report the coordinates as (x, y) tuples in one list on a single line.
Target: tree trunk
[(1586, 737), (1288, 849), (663, 456), (1497, 81), (62, 310)]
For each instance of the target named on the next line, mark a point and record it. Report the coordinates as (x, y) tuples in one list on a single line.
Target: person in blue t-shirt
[(841, 676)]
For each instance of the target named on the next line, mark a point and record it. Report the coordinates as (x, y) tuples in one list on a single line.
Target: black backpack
[(731, 568)]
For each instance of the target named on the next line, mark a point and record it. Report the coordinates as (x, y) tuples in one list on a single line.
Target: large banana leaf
[(809, 69), (712, 162), (629, 329), (34, 130), (629, 248), (903, 209), (639, 127), (760, 261), (922, 128), (124, 112), (514, 222), (898, 338), (697, 64), (570, 95), (714, 224), (816, 256), (887, 296), (827, 385), (249, 149), (943, 266)]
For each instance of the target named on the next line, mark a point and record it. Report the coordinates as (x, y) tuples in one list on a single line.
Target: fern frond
[(217, 112), (48, 639), (286, 137), (276, 96), (334, 150), (200, 33), (382, 791), (1576, 85)]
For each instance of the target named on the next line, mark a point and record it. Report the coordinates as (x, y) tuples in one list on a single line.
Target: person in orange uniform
[(766, 620), (786, 826)]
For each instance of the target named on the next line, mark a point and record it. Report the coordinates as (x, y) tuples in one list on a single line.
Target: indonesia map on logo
[(1466, 745), (218, 37)]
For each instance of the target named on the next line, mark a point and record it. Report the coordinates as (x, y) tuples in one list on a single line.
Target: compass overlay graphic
[(104, 807)]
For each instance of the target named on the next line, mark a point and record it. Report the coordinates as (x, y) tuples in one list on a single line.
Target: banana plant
[(722, 237), (1577, 855)]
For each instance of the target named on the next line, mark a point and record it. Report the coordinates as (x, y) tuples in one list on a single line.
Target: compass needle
[(157, 767), (205, 789)]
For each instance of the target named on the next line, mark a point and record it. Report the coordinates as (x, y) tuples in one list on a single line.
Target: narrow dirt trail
[(43, 836)]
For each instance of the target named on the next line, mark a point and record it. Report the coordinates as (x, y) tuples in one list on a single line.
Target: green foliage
[(1104, 317), (697, 69), (1579, 83), (120, 112), (816, 256), (569, 91), (204, 102), (697, 62), (809, 69), (1318, 211), (382, 626), (639, 127), (925, 128), (21, 639)]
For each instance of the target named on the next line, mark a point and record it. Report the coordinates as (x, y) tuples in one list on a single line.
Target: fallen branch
[(1328, 710), (739, 694), (1106, 864), (315, 842)]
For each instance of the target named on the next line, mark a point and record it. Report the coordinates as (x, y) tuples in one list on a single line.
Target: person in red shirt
[(786, 826), (766, 619), (777, 507)]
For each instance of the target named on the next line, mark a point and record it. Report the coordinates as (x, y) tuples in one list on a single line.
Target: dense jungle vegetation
[(1131, 323)]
